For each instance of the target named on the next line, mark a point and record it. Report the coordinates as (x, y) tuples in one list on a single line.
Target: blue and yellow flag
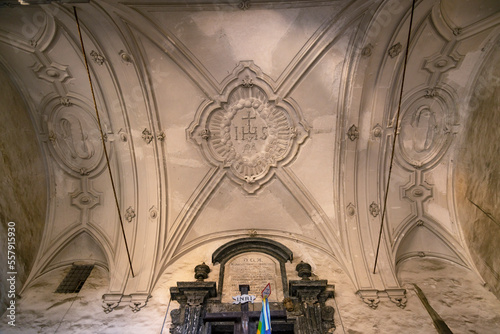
[(265, 318)]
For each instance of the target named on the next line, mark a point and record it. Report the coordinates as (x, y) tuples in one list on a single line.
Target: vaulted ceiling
[(276, 119)]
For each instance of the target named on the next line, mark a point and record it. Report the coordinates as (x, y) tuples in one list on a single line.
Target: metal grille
[(75, 279)]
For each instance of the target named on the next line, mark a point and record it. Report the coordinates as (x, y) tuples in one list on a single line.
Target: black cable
[(166, 313), (396, 126), (103, 141)]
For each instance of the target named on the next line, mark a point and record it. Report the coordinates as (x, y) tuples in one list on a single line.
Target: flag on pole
[(265, 315)]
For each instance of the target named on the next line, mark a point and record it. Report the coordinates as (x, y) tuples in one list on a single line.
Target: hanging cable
[(103, 141), (396, 126), (64, 316), (166, 313), (338, 312)]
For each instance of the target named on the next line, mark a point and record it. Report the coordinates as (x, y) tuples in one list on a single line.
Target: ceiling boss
[(248, 130)]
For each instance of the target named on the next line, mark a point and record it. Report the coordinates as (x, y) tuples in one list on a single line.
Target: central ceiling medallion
[(248, 130)]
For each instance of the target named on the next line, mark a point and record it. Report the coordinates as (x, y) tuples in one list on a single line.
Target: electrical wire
[(396, 126), (103, 141)]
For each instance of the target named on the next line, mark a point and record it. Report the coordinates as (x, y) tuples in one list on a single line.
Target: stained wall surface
[(23, 185), (478, 174)]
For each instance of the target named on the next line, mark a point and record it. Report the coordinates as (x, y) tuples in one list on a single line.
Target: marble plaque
[(255, 270)]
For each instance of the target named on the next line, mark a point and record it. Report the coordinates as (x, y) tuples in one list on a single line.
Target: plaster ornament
[(367, 51), (248, 130), (430, 93), (353, 133), (395, 50), (351, 210), (161, 136), (97, 58), (74, 134), (377, 131), (125, 57), (65, 101), (130, 214), (244, 4), (442, 63), (374, 209), (426, 117), (147, 136), (51, 73), (153, 212)]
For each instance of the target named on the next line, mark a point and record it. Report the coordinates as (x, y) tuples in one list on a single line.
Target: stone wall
[(453, 291), (22, 184), (477, 176)]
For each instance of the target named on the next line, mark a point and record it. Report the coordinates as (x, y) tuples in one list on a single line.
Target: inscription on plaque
[(256, 270)]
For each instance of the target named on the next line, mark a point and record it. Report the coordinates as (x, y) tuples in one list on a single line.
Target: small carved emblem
[(147, 136), (351, 209), (247, 82), (430, 93), (84, 171), (244, 4), (442, 63), (97, 58), (129, 214), (370, 297), (377, 131), (65, 101), (395, 50), (367, 51), (161, 136), (85, 199), (55, 72), (109, 306), (52, 136), (125, 57), (353, 133), (205, 134), (374, 209), (153, 212)]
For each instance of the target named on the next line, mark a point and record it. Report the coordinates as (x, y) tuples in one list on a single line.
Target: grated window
[(75, 279)]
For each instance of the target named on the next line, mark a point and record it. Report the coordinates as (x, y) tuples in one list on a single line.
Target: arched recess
[(81, 246), (246, 245), (262, 245), (422, 240)]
